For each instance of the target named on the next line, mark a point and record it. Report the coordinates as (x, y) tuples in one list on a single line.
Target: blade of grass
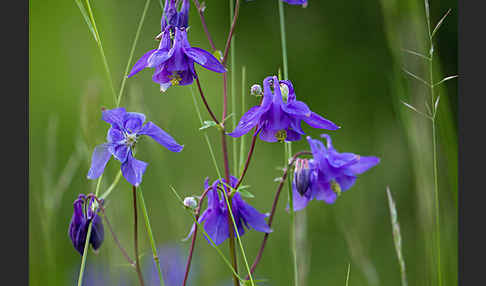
[(102, 52), (397, 237), (132, 50)]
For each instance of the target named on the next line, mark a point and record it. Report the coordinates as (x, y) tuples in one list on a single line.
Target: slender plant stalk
[(224, 147), (274, 206), (283, 39), (135, 236), (151, 236), (397, 237), (206, 103), (112, 186), (233, 89), (102, 52), (194, 235), (238, 237), (243, 109), (205, 27), (434, 141), (289, 144), (86, 244), (132, 50), (288, 155), (211, 152), (248, 158)]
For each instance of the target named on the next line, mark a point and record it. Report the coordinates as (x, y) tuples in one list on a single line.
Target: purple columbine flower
[(78, 228), (330, 173), (126, 129), (216, 215), (280, 114), (174, 59)]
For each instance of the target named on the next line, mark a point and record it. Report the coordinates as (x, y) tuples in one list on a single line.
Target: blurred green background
[(345, 62)]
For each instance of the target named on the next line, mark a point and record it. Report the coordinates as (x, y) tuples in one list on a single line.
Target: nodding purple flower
[(171, 17), (280, 114), (215, 217), (296, 2), (78, 228), (302, 174), (126, 129), (174, 59), (330, 173)]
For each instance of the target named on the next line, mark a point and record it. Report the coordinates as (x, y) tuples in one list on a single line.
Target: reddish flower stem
[(205, 102), (193, 242), (117, 242), (135, 236), (230, 36), (248, 158), (274, 208), (203, 22)]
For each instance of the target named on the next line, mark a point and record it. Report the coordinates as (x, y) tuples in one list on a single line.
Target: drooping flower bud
[(302, 175), (256, 90), (190, 202), (78, 228)]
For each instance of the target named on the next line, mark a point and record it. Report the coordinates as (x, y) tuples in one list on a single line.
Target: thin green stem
[(226, 261), (288, 145), (150, 235), (135, 41), (436, 184), (434, 142), (112, 186), (86, 244), (243, 109), (211, 152), (238, 237), (287, 156), (102, 52), (283, 38)]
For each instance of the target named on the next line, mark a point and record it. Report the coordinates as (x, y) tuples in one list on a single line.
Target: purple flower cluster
[(126, 128), (327, 173), (83, 215), (280, 114), (215, 217), (174, 59)]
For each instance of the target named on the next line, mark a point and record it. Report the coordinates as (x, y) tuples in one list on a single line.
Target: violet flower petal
[(161, 137), (133, 169), (99, 159)]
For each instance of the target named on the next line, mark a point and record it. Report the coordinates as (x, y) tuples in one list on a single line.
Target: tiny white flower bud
[(256, 90), (190, 202)]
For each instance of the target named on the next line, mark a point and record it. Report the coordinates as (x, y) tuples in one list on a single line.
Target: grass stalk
[(132, 50), (150, 235)]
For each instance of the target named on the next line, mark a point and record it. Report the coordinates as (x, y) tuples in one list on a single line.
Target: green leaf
[(440, 23), (207, 124), (243, 192), (86, 18)]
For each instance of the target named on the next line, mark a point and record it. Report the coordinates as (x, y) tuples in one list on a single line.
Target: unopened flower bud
[(302, 175), (190, 202), (256, 90)]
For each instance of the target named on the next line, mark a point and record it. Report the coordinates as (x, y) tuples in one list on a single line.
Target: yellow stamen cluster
[(336, 187), (281, 135), (175, 78)]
